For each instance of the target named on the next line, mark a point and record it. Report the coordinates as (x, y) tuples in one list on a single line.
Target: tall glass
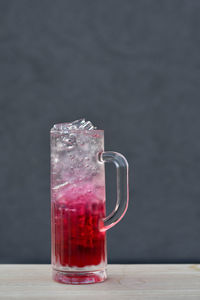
[(78, 217)]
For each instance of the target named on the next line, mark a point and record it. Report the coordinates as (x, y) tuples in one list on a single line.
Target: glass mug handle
[(122, 189)]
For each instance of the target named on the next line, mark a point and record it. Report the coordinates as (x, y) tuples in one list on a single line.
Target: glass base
[(79, 277)]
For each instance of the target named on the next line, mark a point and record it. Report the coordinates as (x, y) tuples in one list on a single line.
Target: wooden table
[(125, 282)]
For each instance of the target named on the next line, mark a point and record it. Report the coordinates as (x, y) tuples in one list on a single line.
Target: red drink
[(76, 238)]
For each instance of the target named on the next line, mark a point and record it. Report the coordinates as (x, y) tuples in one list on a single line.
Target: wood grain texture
[(124, 282)]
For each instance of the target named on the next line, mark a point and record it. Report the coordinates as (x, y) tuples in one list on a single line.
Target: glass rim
[(75, 130), (65, 131), (62, 128)]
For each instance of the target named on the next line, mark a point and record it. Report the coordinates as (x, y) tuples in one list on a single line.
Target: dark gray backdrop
[(131, 67)]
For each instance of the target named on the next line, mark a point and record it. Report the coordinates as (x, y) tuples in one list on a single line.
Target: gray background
[(131, 67)]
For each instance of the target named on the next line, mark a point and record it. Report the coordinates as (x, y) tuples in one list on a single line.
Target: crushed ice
[(81, 124), (73, 155)]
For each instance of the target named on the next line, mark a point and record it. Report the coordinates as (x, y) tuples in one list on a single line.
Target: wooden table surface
[(124, 282)]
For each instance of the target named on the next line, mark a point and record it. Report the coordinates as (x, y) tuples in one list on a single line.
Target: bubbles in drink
[(75, 147)]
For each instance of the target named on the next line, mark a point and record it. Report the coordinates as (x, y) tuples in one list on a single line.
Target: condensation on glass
[(78, 216)]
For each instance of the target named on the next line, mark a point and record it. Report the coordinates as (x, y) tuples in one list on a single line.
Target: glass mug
[(78, 217)]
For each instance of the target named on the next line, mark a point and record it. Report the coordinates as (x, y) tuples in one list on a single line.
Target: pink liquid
[(76, 239)]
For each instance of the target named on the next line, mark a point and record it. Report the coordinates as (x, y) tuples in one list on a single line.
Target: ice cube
[(75, 125)]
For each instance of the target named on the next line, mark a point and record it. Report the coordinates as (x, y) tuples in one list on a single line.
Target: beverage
[(78, 221), (76, 238)]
